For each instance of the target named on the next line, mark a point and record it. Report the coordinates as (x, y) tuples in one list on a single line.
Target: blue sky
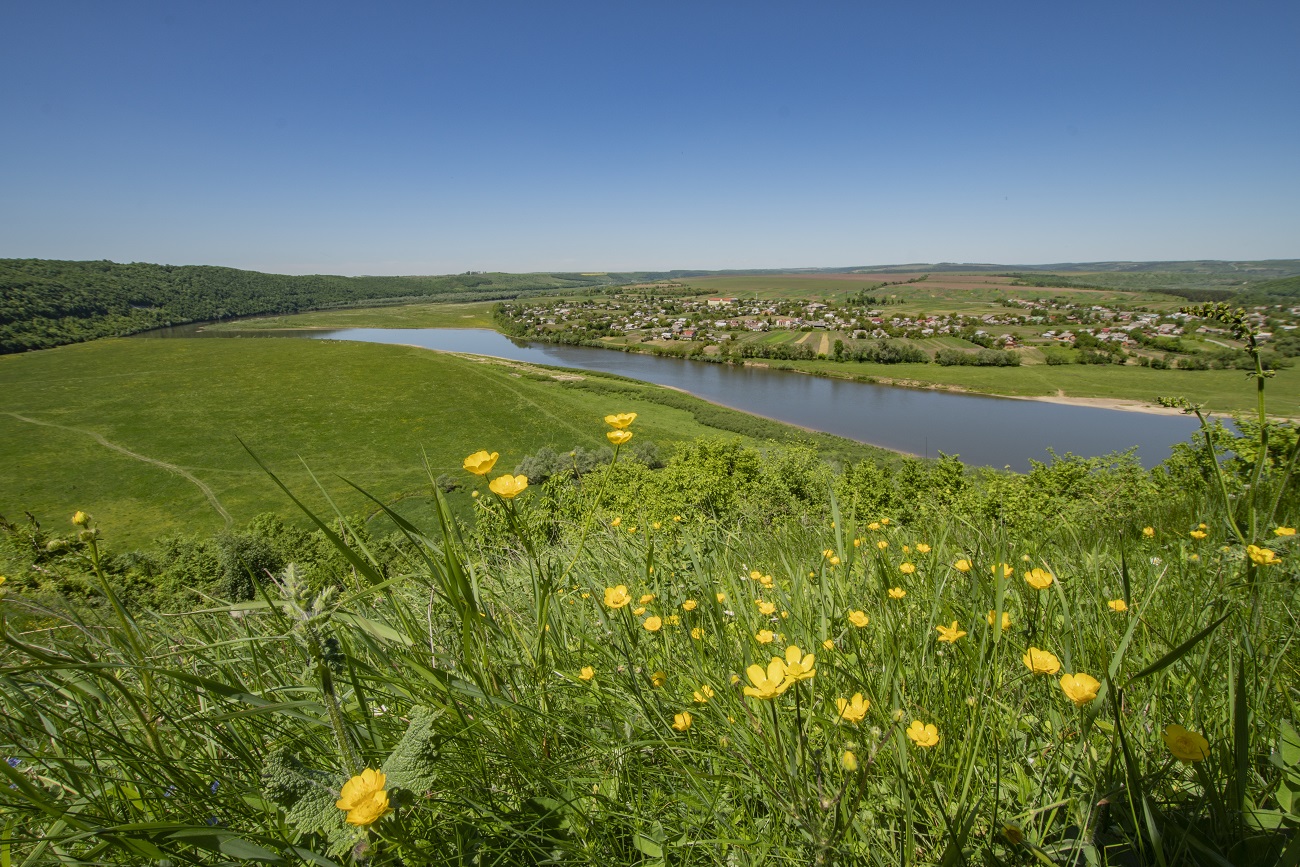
[(431, 137)]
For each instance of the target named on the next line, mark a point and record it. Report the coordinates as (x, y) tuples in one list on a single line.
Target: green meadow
[(147, 433), (475, 314)]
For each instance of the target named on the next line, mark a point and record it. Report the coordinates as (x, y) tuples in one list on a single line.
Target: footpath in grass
[(146, 433)]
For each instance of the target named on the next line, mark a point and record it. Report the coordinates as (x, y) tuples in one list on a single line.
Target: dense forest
[(45, 303)]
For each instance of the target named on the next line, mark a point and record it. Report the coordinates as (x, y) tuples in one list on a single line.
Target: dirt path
[(825, 348), (171, 468)]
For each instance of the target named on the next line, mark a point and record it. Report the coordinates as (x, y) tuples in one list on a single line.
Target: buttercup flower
[(703, 694), (1149, 532), (688, 605), (1039, 579), (1117, 605), (1185, 745), (852, 710), (480, 463), (1080, 688), (798, 665), (658, 678), (897, 592), (907, 568), (1284, 531), (616, 521), (950, 634), (834, 561), (882, 544), (364, 797), (874, 525), (697, 633), (646, 599), (1197, 534), (765, 636), (620, 421), (617, 597), (962, 565), (722, 597), (1007, 571), (769, 683), (652, 624), (922, 548), (768, 608), (923, 735), (587, 673), (618, 437), (848, 761), (1006, 619), (682, 721), (508, 487), (638, 611), (1262, 556), (1041, 661), (828, 644), (858, 618), (907, 549), (765, 580)]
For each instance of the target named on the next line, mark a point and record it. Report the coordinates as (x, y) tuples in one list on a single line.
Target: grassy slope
[(435, 315), (1219, 390), (363, 411)]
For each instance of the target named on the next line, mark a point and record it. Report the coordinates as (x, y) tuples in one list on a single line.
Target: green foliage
[(45, 303)]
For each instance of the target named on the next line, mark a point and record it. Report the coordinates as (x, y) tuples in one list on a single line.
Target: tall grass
[(603, 697)]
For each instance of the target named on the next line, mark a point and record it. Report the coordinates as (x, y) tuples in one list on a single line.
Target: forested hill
[(46, 303)]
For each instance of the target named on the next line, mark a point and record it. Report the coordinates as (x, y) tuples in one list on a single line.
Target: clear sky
[(438, 137)]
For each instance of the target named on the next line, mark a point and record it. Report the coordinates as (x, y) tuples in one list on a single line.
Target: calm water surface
[(987, 431)]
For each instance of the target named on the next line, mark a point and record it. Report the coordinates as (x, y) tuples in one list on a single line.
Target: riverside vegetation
[(738, 659)]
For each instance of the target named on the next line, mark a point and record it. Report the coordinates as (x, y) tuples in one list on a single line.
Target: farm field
[(474, 314), (169, 413)]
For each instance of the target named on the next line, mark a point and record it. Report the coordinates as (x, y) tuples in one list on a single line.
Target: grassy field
[(474, 314), (144, 433), (1219, 390)]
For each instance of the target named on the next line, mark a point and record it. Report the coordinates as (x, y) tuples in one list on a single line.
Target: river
[(987, 431)]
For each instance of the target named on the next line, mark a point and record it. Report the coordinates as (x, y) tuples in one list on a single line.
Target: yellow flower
[(828, 553), (656, 524), (765, 636), (1262, 556), (907, 568), (922, 548), (765, 580), (852, 710), (617, 597), (907, 549), (1186, 746), (834, 561), (1202, 527), (652, 624), (770, 683), (1284, 531), (1041, 661), (1039, 579), (1117, 605), (962, 565), (828, 644), (857, 543), (682, 721), (689, 605), (616, 521), (480, 463), (1007, 571), (646, 599), (885, 521), (768, 608), (798, 665), (618, 437), (697, 633), (620, 421), (848, 761), (897, 592), (80, 518), (638, 611), (508, 487), (587, 673), (364, 797), (1198, 534), (950, 634), (923, 735), (1006, 619), (874, 525), (1079, 688), (721, 597), (1149, 532), (677, 519), (882, 544), (858, 618), (703, 694), (658, 678)]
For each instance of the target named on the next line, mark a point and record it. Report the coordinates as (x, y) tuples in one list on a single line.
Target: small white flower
[(1156, 561)]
